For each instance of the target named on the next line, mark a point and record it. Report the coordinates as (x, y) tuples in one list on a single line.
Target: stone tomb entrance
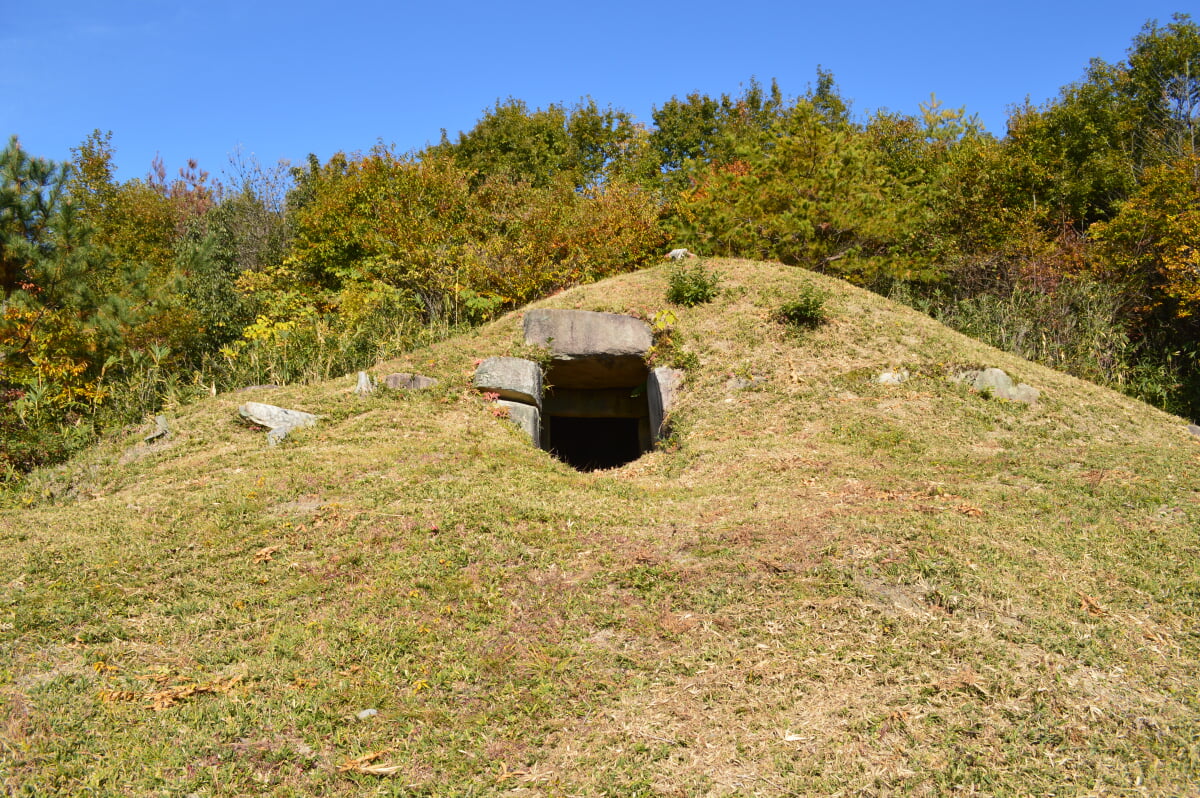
[(594, 428), (597, 405)]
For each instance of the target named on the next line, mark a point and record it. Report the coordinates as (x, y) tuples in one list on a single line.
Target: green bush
[(806, 311), (692, 286), (26, 444)]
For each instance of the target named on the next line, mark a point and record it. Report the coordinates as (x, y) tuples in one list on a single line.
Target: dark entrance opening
[(596, 427), (589, 444)]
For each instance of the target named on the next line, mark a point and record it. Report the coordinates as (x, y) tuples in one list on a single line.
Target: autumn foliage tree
[(416, 233), (61, 322), (582, 144), (811, 191), (1152, 246)]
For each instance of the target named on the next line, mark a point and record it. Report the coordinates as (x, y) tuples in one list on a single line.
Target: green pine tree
[(61, 322)]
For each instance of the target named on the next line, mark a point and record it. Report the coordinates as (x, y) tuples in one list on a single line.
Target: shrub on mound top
[(692, 286), (806, 311)]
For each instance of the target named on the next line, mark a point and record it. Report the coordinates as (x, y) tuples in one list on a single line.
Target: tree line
[(1074, 239)]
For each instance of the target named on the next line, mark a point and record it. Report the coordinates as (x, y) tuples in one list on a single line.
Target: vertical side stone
[(365, 386), (526, 417), (662, 386)]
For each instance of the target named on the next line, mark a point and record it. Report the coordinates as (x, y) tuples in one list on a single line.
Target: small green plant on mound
[(806, 311), (692, 286), (668, 347)]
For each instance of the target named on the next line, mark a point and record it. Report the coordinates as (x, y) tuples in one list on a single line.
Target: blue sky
[(201, 78)]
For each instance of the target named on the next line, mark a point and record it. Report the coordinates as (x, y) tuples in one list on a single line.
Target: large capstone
[(591, 350)]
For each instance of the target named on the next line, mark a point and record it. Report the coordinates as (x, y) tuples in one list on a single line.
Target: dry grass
[(825, 586)]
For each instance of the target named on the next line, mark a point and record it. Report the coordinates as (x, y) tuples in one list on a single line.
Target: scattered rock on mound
[(279, 420), (365, 386), (403, 381), (736, 383), (161, 430), (997, 383)]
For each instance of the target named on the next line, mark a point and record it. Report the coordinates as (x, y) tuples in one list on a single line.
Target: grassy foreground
[(824, 586)]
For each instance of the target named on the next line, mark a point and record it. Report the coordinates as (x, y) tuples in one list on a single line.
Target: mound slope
[(824, 585)]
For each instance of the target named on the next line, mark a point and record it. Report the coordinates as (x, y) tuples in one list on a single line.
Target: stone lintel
[(590, 349)]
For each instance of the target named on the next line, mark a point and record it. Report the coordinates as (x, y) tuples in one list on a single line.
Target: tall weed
[(1079, 327), (317, 349), (1076, 328)]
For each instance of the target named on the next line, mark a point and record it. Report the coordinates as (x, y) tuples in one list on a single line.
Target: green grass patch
[(826, 585)]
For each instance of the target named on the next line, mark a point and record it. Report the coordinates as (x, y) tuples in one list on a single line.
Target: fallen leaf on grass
[(505, 774), (378, 770), (365, 764), (1088, 603), (267, 554), (967, 681), (169, 697), (173, 695), (117, 696), (970, 510)]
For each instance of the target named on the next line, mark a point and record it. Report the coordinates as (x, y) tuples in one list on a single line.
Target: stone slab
[(600, 403), (527, 418), (278, 420), (513, 378), (662, 388), (590, 349), (403, 381)]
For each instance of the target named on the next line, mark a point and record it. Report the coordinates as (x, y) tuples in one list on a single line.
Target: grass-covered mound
[(823, 585)]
